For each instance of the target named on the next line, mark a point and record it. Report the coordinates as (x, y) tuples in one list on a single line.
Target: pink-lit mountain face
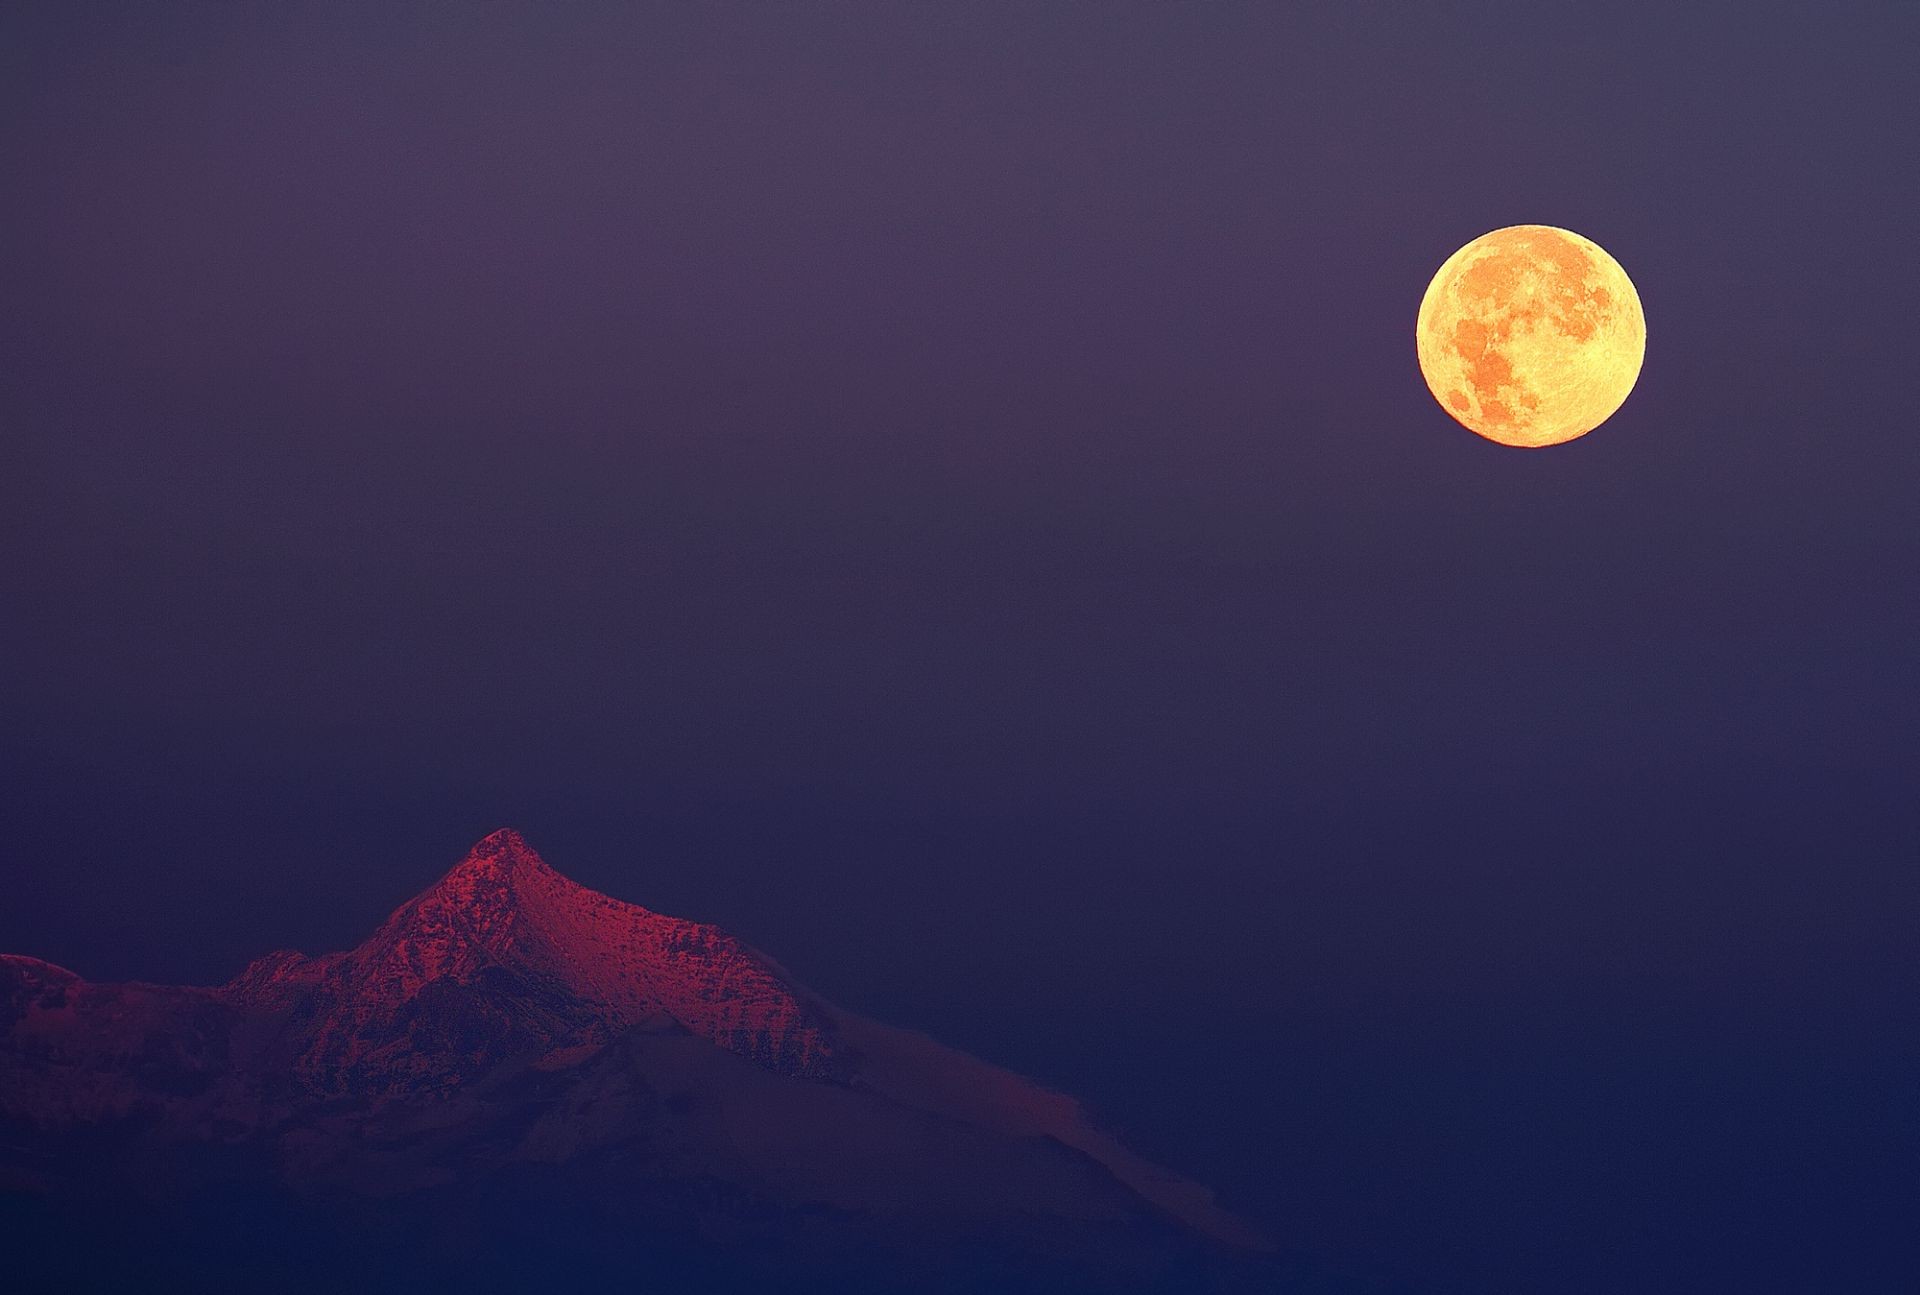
[(503, 958), (507, 1017)]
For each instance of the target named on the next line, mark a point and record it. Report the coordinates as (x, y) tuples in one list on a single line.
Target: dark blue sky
[(945, 491)]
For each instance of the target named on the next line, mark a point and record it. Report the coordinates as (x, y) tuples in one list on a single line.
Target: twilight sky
[(946, 492)]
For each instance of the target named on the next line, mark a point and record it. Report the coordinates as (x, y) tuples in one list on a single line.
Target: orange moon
[(1531, 335)]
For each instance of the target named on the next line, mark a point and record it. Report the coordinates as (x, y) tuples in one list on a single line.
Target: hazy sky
[(946, 492)]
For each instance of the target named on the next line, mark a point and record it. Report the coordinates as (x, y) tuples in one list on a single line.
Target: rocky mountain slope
[(508, 1021)]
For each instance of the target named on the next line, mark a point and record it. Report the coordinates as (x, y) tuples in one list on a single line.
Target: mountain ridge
[(507, 1015)]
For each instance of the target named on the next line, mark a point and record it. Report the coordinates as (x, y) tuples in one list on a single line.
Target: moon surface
[(1531, 335)]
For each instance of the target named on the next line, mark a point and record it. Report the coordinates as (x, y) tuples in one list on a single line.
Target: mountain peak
[(498, 896), (502, 853), (504, 951)]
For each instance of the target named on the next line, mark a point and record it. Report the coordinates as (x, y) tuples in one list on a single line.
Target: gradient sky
[(946, 492)]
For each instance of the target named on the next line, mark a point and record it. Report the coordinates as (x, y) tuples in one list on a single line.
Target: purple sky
[(945, 491)]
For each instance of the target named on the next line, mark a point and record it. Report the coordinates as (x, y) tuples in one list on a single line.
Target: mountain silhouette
[(510, 1044)]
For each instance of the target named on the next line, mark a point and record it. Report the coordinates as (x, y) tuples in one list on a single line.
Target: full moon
[(1531, 335)]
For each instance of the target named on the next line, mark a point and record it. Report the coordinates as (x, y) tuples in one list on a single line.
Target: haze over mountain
[(511, 1044)]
